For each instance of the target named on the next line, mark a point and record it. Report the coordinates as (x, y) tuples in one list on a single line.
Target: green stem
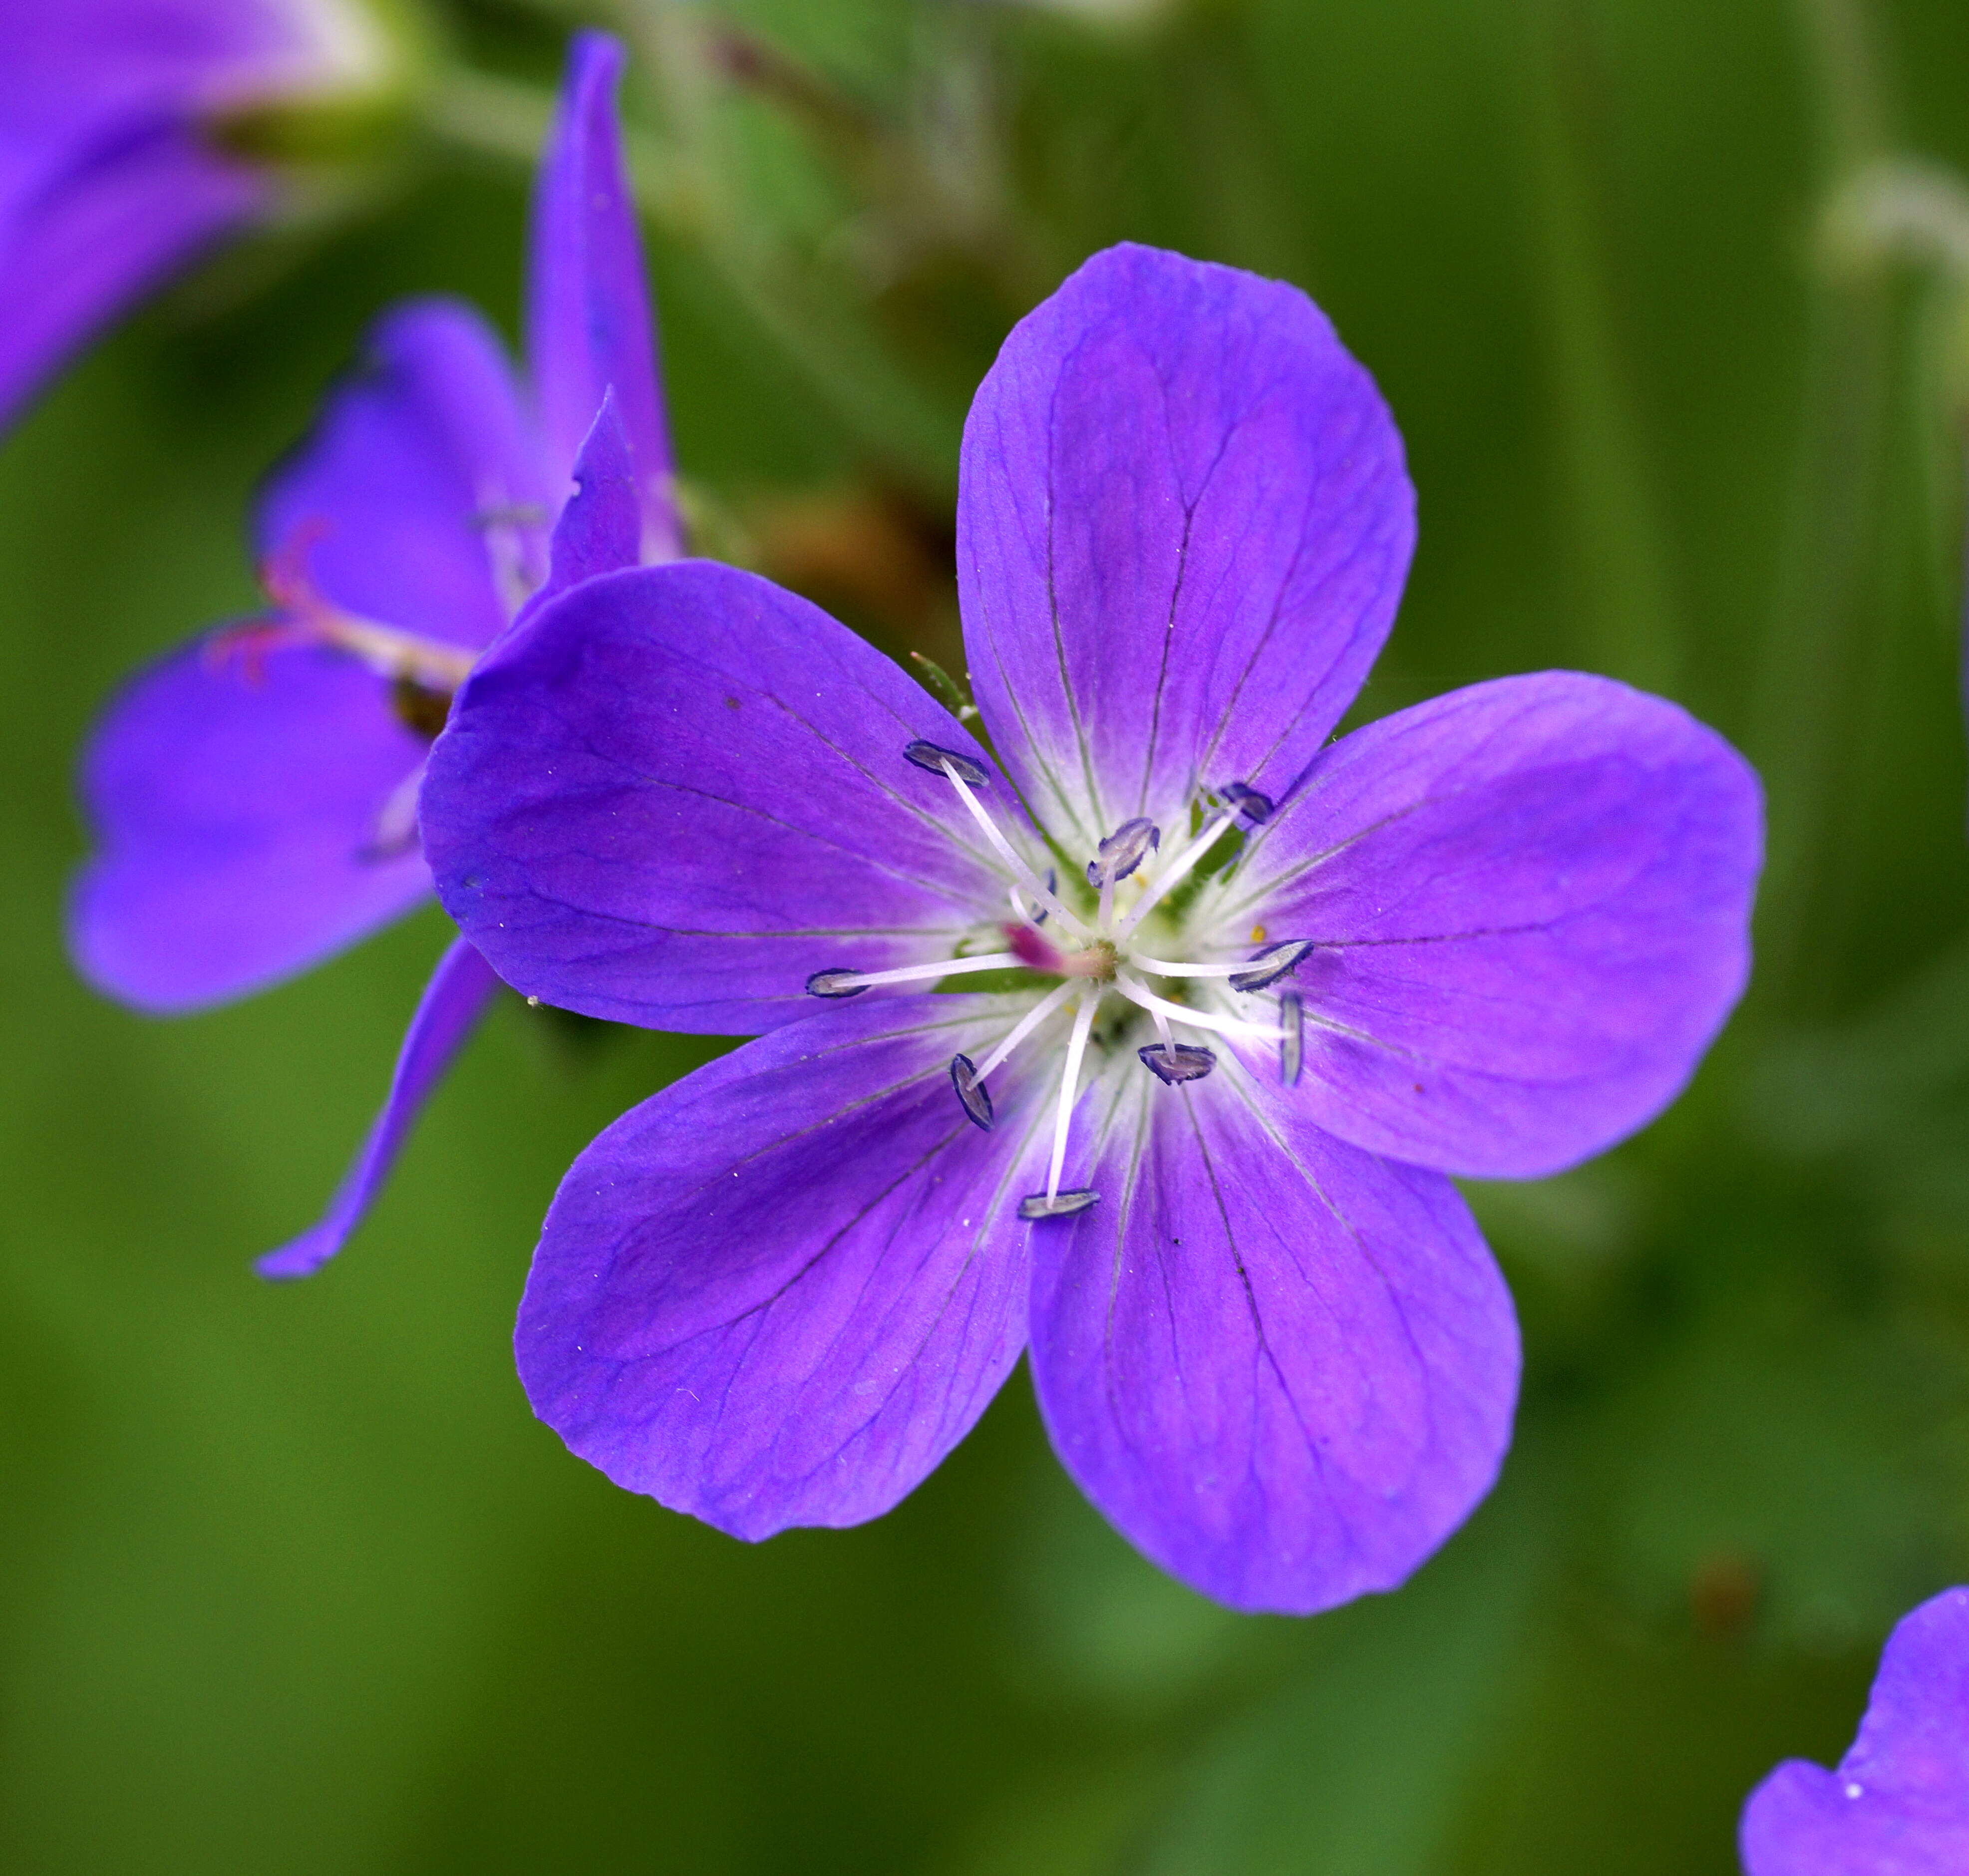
[(1626, 587), (1805, 685), (832, 349)]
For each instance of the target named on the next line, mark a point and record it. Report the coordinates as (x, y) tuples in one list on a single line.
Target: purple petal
[(600, 530), (238, 799), (778, 1292), (1183, 524), (589, 327), (678, 791), (1530, 901), (419, 500), (1898, 1804), (1283, 1368), (81, 245), (460, 990)]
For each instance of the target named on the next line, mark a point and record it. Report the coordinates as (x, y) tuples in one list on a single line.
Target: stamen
[(1168, 967), (1021, 872), (1245, 802), (395, 833), (845, 983), (1175, 872), (835, 983), (1192, 1018), (1292, 1037), (972, 1095), (1275, 961), (943, 761), (1175, 1063), (1026, 1025), (1069, 1082), (1122, 852), (387, 651), (1055, 1204), (1034, 915)]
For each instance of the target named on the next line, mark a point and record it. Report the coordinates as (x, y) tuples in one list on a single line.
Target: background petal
[(1898, 1804), (1283, 1368), (1183, 524), (236, 798), (419, 500), (1532, 899), (778, 1292), (588, 322), (678, 792), (79, 245), (460, 991)]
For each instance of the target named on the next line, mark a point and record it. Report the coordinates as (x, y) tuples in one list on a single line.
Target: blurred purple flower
[(1197, 1161), (1899, 1803), (255, 794), (112, 169)]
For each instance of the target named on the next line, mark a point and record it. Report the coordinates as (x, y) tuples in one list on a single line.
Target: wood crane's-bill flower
[(254, 795), (1144, 1038)]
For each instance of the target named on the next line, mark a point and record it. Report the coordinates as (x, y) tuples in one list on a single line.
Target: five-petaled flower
[(255, 794), (115, 170), (1250, 997), (1899, 1803)]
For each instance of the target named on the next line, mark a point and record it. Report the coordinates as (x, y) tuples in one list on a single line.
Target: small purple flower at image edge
[(1143, 1041), (254, 795), (119, 169), (1898, 1803)]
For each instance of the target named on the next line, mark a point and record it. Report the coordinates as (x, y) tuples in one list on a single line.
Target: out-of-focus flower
[(125, 127), (1256, 997), (1898, 1803), (255, 794)]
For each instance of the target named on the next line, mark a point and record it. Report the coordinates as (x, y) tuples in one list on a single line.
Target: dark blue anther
[(1292, 1037), (1123, 851), (834, 983), (1039, 914), (1061, 1205), (972, 1095), (928, 755), (1174, 1063), (1275, 961), (1246, 802)]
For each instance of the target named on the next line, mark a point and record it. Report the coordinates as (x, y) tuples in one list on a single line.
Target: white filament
[(1176, 871), (1026, 1025), (915, 974), (1069, 1080), (1193, 1018), (1026, 876)]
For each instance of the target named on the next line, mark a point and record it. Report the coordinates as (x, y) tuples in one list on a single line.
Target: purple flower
[(255, 794), (1250, 997), (112, 169), (1899, 1803)]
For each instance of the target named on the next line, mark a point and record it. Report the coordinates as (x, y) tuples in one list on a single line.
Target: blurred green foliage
[(290, 1582)]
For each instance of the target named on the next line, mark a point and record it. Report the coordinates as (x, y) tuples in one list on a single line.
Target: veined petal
[(1283, 1368), (460, 990), (1183, 525), (78, 246), (1530, 905), (677, 792), (589, 327), (419, 500), (1898, 1804), (237, 799), (778, 1292)]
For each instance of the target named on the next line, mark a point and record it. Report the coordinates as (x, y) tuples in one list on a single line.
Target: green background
[(290, 1580)]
